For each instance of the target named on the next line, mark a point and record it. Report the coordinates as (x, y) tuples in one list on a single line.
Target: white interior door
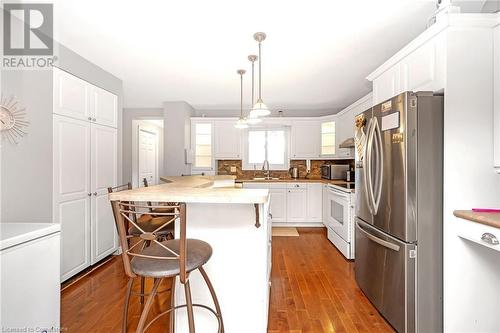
[(71, 157), (147, 156), (103, 175)]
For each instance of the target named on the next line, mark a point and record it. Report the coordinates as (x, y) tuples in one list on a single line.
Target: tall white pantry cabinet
[(84, 166)]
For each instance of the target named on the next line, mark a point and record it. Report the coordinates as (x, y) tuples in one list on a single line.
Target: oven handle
[(377, 240)]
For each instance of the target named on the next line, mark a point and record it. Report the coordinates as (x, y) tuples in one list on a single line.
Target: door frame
[(136, 128)]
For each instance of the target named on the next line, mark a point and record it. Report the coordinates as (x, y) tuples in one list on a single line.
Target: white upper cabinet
[(328, 138), (345, 124), (76, 98), (305, 139), (388, 84), (103, 107), (227, 140), (422, 68), (71, 95), (497, 98), (202, 145)]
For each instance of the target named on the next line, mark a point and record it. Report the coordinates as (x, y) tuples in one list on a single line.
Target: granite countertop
[(195, 189), (490, 219)]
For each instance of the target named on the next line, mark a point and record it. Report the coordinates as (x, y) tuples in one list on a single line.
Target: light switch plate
[(233, 169)]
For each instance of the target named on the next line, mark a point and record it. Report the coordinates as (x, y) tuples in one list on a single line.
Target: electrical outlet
[(233, 168)]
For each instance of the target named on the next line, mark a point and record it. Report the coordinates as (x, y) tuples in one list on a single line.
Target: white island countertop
[(12, 234), (195, 189)]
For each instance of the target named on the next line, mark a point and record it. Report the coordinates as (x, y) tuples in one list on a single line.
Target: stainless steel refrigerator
[(399, 228)]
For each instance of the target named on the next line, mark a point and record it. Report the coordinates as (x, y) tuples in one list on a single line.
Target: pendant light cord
[(253, 84), (260, 74), (241, 95)]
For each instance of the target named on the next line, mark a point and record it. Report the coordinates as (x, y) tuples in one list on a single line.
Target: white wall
[(177, 136), (471, 274)]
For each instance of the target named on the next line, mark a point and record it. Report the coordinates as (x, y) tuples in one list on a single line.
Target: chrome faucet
[(265, 169)]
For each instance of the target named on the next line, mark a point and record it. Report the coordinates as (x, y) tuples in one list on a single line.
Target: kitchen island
[(234, 221)]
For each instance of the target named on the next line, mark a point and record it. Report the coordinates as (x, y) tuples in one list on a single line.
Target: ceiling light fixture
[(242, 121), (259, 108), (253, 120)]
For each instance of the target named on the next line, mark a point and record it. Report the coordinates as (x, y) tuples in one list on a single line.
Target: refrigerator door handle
[(377, 240), (366, 166), (369, 182), (380, 166)]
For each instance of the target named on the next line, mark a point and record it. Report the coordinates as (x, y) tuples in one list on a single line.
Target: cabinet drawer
[(297, 185), (480, 234)]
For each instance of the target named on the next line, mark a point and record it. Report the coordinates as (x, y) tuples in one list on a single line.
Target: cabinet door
[(387, 85), (103, 107), (71, 95), (296, 205), (496, 128), (345, 130), (314, 202), (202, 146), (278, 204), (227, 140), (325, 205), (306, 139), (104, 240), (71, 176)]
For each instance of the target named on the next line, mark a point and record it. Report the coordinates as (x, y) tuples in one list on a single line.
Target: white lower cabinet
[(293, 204), (278, 205), (296, 199), (84, 165), (314, 202)]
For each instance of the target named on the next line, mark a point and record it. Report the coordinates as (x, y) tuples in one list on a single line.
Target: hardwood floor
[(313, 290)]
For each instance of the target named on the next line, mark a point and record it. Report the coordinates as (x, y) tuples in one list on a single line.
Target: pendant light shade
[(259, 109), (242, 121)]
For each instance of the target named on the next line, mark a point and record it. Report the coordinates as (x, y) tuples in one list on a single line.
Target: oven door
[(338, 213)]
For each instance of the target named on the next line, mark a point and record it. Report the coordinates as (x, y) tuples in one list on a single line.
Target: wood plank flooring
[(313, 291)]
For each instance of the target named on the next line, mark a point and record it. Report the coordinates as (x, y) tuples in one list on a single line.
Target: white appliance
[(340, 219), (29, 277)]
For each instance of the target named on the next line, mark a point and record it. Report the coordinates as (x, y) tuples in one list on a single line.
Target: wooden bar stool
[(161, 209), (160, 260), (146, 222)]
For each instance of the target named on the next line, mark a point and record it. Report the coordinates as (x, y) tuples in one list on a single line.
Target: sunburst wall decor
[(12, 119)]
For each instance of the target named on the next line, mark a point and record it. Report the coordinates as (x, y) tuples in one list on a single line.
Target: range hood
[(347, 143)]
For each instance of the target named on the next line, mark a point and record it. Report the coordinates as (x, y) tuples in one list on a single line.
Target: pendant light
[(242, 121), (253, 120), (259, 108)]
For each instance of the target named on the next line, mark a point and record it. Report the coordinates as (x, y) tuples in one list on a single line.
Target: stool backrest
[(126, 211)]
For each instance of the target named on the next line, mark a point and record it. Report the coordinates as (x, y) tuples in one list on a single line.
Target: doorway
[(147, 151)]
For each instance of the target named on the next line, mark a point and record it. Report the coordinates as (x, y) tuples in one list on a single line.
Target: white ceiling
[(316, 56)]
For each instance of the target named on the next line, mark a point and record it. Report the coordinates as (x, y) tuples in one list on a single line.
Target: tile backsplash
[(224, 168)]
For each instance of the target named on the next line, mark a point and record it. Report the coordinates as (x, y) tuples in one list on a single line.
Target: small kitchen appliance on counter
[(334, 171), (294, 172)]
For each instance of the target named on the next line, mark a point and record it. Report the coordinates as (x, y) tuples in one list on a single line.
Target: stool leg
[(189, 306), (172, 305), (142, 289), (149, 302), (125, 308), (214, 297)]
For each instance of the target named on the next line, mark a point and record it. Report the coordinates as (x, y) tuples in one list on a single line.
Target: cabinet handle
[(93, 119), (89, 194), (95, 194), (489, 238), (89, 118)]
